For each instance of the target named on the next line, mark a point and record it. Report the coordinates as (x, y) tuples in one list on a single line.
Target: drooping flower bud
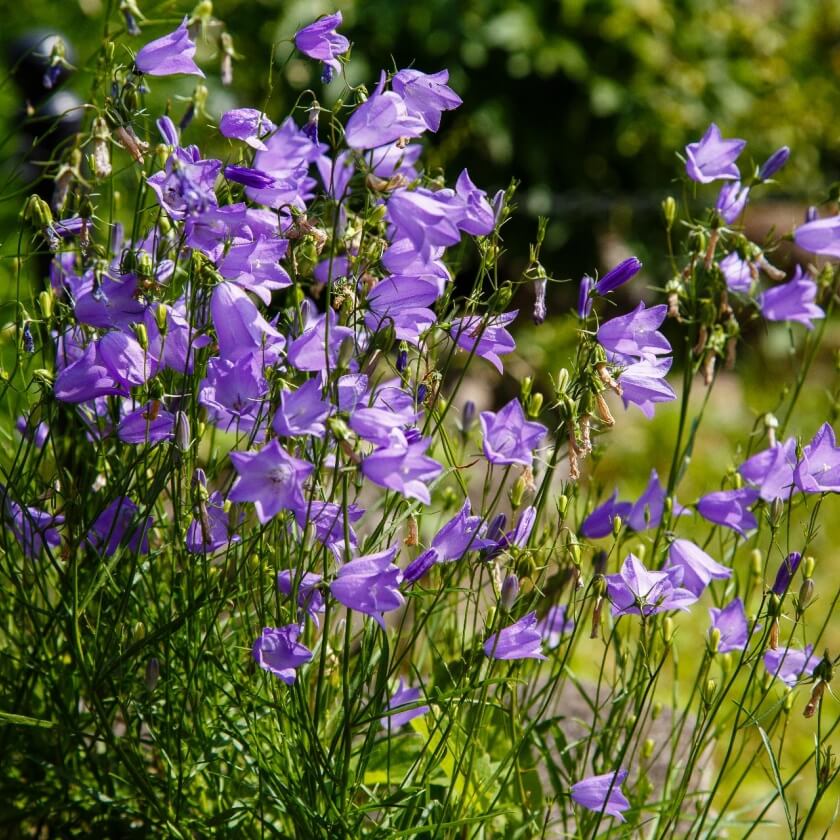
[(669, 211), (774, 163), (510, 592)]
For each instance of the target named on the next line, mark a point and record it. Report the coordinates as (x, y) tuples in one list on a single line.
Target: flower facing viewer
[(508, 437), (712, 158), (279, 652)]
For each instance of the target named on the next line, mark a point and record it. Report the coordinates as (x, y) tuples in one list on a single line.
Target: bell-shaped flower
[(279, 652), (402, 466), (554, 625), (635, 335), (772, 470), (730, 508), (508, 437), (382, 119), (732, 625), (792, 301), (636, 590), (404, 696), (698, 569), (319, 40), (821, 236), (602, 794), (302, 412), (521, 640), (426, 95), (790, 664), (819, 469), (487, 338), (113, 528), (712, 158), (370, 584), (170, 55), (644, 384), (248, 125)]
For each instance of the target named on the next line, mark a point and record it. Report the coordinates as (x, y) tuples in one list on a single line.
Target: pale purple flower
[(646, 511), (772, 470), (636, 335), (381, 120), (317, 347), (554, 625), (819, 469), (821, 236), (521, 640), (147, 424), (602, 794), (240, 329), (403, 696), (370, 585), (402, 466), (328, 521), (271, 479), (732, 200), (730, 508), (309, 596), (249, 177), (302, 412), (731, 622), (737, 272), (599, 523), (248, 125), (792, 301), (698, 568), (320, 41), (636, 590), (169, 55), (516, 537), (508, 437), (584, 305), (712, 158), (212, 527), (644, 384), (33, 528), (618, 276), (477, 217), (426, 94), (791, 664), (486, 338), (37, 434), (254, 266), (279, 652)]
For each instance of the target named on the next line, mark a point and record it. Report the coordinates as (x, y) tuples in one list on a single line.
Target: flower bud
[(708, 692), (517, 491), (562, 504), (139, 631), (535, 404), (655, 710), (647, 748), (668, 629), (142, 335), (808, 566), (467, 417), (152, 673), (563, 380), (45, 303), (777, 511), (806, 595), (527, 384), (786, 572), (669, 211), (774, 163), (714, 641), (726, 662), (787, 705), (617, 525), (183, 438), (510, 592), (771, 423), (756, 563)]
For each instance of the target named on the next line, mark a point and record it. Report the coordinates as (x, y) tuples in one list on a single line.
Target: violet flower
[(599, 523), (370, 585), (271, 479), (521, 640), (248, 125), (249, 177), (712, 158), (381, 120), (328, 521), (792, 301), (643, 384), (584, 305), (554, 625), (169, 55), (732, 200), (319, 40), (111, 529), (602, 794), (730, 508), (791, 664), (508, 437), (309, 597), (34, 529), (638, 591), (731, 622), (774, 163), (737, 272), (635, 335), (403, 467), (821, 236), (426, 95), (784, 575), (212, 528), (279, 652), (488, 339), (302, 412), (819, 469), (403, 696), (618, 276), (772, 470), (147, 424), (698, 569)]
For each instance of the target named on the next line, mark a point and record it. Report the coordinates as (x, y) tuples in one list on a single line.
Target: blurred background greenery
[(586, 103)]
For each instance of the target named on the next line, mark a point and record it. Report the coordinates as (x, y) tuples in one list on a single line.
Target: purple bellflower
[(521, 640), (320, 41), (34, 529), (784, 575), (309, 597), (618, 276), (730, 508), (370, 585), (403, 696), (147, 424), (240, 329), (212, 527), (791, 664), (248, 125), (599, 523), (698, 569), (382, 119), (635, 335), (732, 200), (279, 652), (737, 272), (643, 384), (636, 590), (488, 339), (426, 95), (602, 794), (792, 301), (327, 518), (584, 304), (821, 236), (819, 469), (302, 412), (712, 158), (508, 437), (111, 529), (772, 470), (271, 479), (731, 622), (402, 466), (169, 55), (554, 625), (774, 163)]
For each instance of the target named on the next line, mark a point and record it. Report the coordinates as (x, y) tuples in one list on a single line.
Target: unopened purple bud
[(130, 21), (496, 527), (255, 178), (326, 74), (402, 359), (774, 163), (422, 392), (467, 416), (811, 214), (28, 340), (510, 591), (311, 127), (152, 673), (539, 301), (183, 435), (618, 276), (584, 306), (786, 572), (168, 131)]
